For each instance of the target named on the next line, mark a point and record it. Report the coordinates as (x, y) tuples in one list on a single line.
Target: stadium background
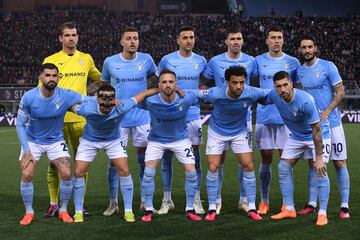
[(29, 32)]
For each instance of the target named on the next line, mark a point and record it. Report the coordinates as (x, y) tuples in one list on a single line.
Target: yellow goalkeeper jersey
[(74, 70)]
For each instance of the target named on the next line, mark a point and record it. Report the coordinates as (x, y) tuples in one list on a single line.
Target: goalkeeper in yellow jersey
[(75, 68)]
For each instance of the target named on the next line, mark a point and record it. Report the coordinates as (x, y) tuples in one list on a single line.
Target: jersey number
[(338, 148), (326, 148), (189, 152), (65, 148)]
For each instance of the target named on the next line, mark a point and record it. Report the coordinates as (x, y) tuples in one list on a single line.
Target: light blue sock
[(148, 187), (127, 189), (141, 162), (113, 182), (166, 170), (198, 168), (79, 188), (343, 182), (66, 188), (286, 183), (220, 180), (250, 188), (27, 194), (323, 185), (265, 180), (313, 189), (190, 189), (241, 184), (212, 185)]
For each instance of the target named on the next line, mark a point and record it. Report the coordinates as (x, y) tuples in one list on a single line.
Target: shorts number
[(123, 145), (338, 147), (189, 152), (326, 149), (200, 133), (249, 138), (65, 148)]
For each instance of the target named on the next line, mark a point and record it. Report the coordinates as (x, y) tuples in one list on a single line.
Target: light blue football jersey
[(168, 120), (42, 117), (100, 127), (267, 66), (218, 64), (319, 80), (299, 114), (129, 78), (188, 71), (229, 115)]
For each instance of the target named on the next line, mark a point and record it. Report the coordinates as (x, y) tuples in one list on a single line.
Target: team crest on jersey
[(57, 104), (81, 62), (196, 65), (295, 111), (244, 103), (317, 73), (286, 65), (139, 66), (180, 107)]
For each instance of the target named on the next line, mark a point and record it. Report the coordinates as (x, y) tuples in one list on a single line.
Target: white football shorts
[(182, 149), (217, 143), (302, 150), (87, 150), (139, 135), (195, 132), (53, 151), (338, 144), (271, 136)]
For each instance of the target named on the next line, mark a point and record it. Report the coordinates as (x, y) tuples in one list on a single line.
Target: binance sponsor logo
[(72, 74)]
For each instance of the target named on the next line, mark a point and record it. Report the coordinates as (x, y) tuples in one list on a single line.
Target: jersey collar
[(233, 59), (126, 60), (275, 58)]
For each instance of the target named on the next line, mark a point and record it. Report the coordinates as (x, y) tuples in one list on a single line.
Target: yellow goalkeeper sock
[(53, 178)]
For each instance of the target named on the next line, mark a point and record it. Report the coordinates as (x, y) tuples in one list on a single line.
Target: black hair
[(235, 71), (50, 66), (69, 25), (281, 75)]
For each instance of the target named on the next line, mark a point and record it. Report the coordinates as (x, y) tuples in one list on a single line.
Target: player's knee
[(124, 171), (248, 167), (65, 174), (339, 163), (266, 156), (79, 173), (213, 167), (27, 176)]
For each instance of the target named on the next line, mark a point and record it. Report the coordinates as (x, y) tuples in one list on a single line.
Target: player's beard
[(168, 92), (50, 85), (309, 59)]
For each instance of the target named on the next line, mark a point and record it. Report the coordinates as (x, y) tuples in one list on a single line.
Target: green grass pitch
[(231, 224)]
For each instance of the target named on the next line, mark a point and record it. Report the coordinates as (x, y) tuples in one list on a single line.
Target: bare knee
[(65, 174), (339, 163), (27, 176), (266, 156), (213, 167), (123, 172), (79, 173)]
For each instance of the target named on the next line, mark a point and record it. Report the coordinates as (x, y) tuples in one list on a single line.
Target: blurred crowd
[(29, 37)]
